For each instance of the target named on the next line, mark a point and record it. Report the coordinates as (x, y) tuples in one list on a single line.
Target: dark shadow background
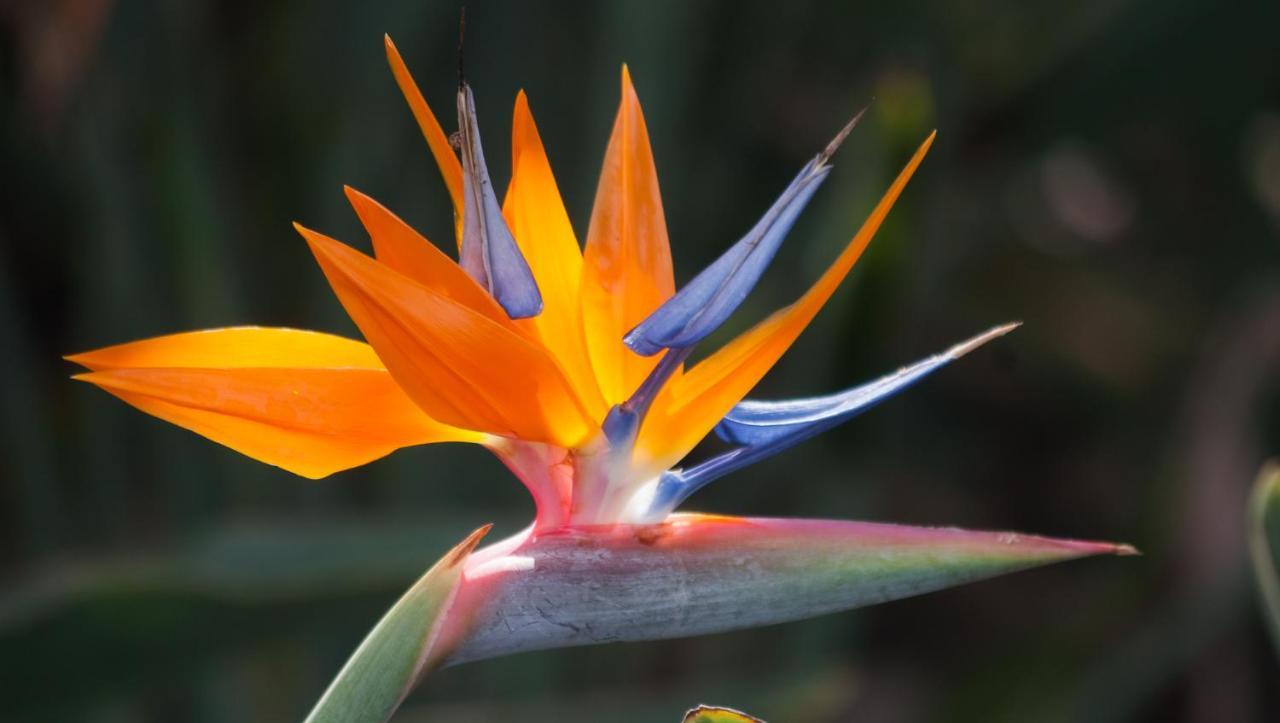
[(1106, 170)]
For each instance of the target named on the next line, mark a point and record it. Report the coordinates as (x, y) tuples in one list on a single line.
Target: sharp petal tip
[(315, 240), (1124, 549), (836, 142), (1083, 548), (357, 198), (628, 86), (969, 345), (393, 53), (464, 548)]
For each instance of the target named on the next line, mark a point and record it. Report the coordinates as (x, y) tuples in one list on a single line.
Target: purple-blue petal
[(763, 429), (489, 251), (754, 422), (623, 421), (706, 302)]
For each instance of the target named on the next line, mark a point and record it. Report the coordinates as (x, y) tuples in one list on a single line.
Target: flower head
[(569, 363)]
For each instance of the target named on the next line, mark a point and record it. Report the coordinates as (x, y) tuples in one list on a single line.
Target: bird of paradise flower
[(568, 363)]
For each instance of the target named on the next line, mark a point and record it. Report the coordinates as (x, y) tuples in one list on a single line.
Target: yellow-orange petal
[(627, 263), (235, 347), (399, 247), (461, 367), (311, 403), (692, 405), (437, 141), (538, 220)]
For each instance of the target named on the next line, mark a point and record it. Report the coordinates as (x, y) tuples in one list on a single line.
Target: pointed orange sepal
[(460, 366), (627, 262), (399, 247), (535, 212), (310, 403), (437, 141)]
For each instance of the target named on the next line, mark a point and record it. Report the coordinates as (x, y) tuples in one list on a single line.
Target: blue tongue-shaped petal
[(755, 423), (763, 429), (489, 251), (706, 301)]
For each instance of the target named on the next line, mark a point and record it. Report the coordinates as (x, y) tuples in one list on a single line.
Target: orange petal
[(437, 141), (460, 366), (536, 214), (399, 247), (627, 263), (692, 405), (311, 403), (234, 347)]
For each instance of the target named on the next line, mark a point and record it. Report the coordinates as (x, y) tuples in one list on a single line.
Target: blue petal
[(489, 251), (623, 421), (754, 422), (764, 429), (704, 303)]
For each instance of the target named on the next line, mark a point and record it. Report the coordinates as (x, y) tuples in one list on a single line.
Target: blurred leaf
[(1264, 541), (715, 714)]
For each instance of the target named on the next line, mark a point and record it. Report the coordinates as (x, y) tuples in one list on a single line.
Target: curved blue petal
[(764, 429), (755, 423), (489, 251), (705, 302)]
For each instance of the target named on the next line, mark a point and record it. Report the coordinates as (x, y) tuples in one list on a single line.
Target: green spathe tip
[(400, 649)]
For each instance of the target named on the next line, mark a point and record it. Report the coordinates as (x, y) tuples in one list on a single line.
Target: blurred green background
[(1106, 170)]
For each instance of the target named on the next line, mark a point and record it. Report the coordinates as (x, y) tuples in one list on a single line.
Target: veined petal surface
[(627, 262), (460, 366), (697, 400), (535, 212), (311, 403)]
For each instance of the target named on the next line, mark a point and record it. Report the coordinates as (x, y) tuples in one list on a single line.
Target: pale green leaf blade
[(398, 651)]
